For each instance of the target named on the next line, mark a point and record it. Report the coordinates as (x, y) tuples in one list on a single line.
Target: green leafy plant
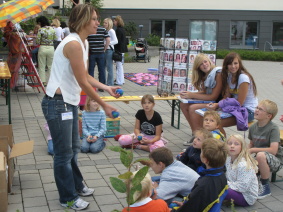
[(97, 4), (131, 29), (153, 40), (125, 183), (255, 55)]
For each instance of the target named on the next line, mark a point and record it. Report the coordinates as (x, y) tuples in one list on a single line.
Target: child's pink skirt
[(155, 145)]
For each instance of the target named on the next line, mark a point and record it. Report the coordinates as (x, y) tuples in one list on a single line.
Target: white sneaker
[(86, 191), (78, 205)]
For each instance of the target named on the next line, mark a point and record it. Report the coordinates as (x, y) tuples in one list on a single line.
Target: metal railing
[(271, 47)]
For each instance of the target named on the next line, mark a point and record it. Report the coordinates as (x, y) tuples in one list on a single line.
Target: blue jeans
[(109, 66), (95, 147), (50, 147), (34, 53), (100, 60), (66, 143), (250, 116)]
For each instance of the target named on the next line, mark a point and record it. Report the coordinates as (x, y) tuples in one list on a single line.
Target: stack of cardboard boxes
[(8, 152)]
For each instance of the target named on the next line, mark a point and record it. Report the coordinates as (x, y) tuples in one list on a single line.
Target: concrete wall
[(273, 5), (184, 17)]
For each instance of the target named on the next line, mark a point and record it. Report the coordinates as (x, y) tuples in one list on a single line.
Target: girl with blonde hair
[(206, 78), (142, 199), (59, 32), (108, 25), (241, 172), (94, 127)]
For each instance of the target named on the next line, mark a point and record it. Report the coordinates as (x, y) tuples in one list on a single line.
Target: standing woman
[(108, 25), (121, 46), (45, 37), (69, 75), (206, 78), (59, 32)]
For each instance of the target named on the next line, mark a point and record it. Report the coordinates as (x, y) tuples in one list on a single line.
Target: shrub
[(131, 29), (153, 40), (255, 55)]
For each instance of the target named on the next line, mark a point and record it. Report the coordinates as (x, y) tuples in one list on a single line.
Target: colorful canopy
[(18, 10)]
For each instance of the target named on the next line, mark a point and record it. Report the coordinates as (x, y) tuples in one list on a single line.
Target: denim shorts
[(250, 116)]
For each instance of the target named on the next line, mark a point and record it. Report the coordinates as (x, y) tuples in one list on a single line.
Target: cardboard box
[(12, 150), (3, 183)]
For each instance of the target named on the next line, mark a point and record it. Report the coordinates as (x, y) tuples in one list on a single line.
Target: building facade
[(234, 24)]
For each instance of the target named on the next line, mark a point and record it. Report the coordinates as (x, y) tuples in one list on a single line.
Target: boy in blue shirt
[(212, 183), (191, 157)]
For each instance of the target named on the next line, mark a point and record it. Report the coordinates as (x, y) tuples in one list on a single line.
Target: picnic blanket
[(142, 79)]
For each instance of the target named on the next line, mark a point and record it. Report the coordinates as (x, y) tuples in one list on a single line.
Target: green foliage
[(97, 4), (255, 55), (118, 184), (28, 25), (124, 183), (131, 29), (126, 157), (153, 40)]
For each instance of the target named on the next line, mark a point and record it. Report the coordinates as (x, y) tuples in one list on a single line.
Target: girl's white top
[(113, 38), (242, 179)]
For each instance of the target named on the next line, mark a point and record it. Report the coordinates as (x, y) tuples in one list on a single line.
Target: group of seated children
[(177, 180), (199, 175), (211, 169)]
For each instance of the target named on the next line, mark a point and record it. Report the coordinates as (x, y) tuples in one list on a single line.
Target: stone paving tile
[(37, 209), (28, 124), (35, 192), (52, 195), (30, 202)]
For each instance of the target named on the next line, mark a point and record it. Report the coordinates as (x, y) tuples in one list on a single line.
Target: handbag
[(117, 56)]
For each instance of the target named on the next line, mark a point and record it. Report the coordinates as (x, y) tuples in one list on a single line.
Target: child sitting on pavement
[(241, 169), (148, 128), (93, 126), (191, 157), (143, 201), (211, 122), (176, 178), (264, 138), (212, 183)]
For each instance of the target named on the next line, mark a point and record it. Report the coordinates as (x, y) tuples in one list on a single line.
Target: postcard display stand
[(176, 58)]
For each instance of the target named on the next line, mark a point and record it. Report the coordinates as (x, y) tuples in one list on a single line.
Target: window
[(163, 28), (203, 30), (243, 34), (277, 34)]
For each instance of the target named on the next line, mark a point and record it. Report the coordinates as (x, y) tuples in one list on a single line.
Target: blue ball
[(120, 92), (115, 114), (139, 138)]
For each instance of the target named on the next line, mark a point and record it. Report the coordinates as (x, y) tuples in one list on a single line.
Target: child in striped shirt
[(93, 126)]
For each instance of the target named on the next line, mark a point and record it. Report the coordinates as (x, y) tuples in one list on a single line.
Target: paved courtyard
[(34, 187)]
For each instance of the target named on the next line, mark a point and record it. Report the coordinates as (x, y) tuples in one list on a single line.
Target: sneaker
[(265, 191), (190, 142), (86, 191), (78, 205)]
